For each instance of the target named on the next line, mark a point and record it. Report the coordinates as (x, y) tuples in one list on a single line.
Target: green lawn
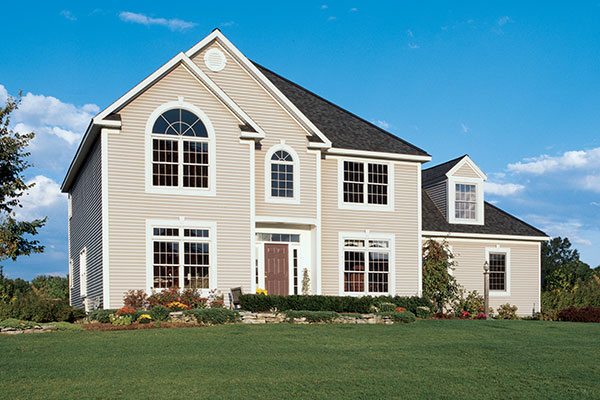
[(427, 359)]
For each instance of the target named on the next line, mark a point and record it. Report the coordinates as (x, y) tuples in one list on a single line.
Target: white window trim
[(366, 235), (365, 205), (182, 223), (479, 210), (83, 271), (212, 162), (70, 205), (70, 274), (506, 251), (295, 163)]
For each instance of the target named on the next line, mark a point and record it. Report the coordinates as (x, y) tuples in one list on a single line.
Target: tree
[(55, 287), (439, 285), (14, 241), (561, 266)]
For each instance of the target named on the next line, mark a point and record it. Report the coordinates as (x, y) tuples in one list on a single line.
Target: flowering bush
[(217, 302), (442, 316), (163, 297), (399, 309), (177, 306), (465, 315), (261, 291), (126, 310), (480, 316), (190, 297), (137, 299), (506, 311), (144, 319), (193, 298), (119, 320)]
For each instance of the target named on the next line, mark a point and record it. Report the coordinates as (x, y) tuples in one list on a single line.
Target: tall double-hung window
[(181, 257), (365, 183), (465, 203), (366, 266), (180, 150), (282, 175)]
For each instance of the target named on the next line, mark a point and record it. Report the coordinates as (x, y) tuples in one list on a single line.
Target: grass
[(427, 359)]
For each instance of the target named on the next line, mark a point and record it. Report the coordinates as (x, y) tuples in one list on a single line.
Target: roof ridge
[(340, 108), (447, 162), (512, 216)]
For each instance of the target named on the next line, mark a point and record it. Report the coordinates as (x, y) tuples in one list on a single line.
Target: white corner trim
[(212, 162), (480, 209), (253, 254), (266, 83), (318, 245), (467, 160), (104, 133), (378, 155), (365, 205), (482, 236), (506, 251), (296, 175), (367, 235), (182, 222)]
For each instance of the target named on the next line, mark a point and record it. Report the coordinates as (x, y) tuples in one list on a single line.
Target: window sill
[(180, 190), (365, 207), (282, 200), (499, 293)]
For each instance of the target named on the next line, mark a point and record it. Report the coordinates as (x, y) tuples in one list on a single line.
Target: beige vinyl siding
[(278, 126), (465, 171), (403, 222), (439, 194), (524, 271), (130, 205)]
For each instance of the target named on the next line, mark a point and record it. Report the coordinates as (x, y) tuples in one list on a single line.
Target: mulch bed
[(110, 327)]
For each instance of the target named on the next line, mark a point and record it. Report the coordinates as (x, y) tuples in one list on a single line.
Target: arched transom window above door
[(282, 175)]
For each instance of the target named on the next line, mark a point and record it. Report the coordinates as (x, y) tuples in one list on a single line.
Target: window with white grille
[(181, 257), (465, 203), (282, 174), (365, 183), (497, 273), (366, 267), (83, 273), (180, 150)]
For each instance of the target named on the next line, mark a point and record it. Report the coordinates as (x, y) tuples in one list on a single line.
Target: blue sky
[(516, 85)]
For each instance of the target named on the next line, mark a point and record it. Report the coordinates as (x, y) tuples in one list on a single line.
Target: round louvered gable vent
[(215, 60)]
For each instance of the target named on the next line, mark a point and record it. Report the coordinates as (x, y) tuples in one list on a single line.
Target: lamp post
[(486, 289)]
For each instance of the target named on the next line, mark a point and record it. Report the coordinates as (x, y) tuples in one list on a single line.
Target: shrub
[(388, 307), (16, 324), (136, 299), (120, 320), (163, 298), (193, 298), (506, 311), (214, 316), (472, 303), (311, 316), (402, 316), (442, 316), (581, 295), (102, 316), (36, 306), (125, 310), (585, 314), (160, 313), (439, 285), (177, 306), (339, 304), (144, 319), (422, 312), (481, 316)]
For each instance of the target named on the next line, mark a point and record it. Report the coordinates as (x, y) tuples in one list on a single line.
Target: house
[(215, 172)]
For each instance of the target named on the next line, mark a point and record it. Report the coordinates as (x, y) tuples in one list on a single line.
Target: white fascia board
[(378, 154), (467, 160), (483, 236), (216, 34)]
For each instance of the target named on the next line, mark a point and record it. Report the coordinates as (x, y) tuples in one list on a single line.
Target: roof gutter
[(378, 154), (484, 236)]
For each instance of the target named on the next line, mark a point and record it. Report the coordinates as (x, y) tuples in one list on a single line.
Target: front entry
[(277, 269)]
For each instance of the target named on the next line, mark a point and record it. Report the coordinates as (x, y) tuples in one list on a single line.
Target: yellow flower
[(261, 291)]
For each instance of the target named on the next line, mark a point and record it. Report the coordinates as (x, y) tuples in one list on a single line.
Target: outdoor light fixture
[(486, 289)]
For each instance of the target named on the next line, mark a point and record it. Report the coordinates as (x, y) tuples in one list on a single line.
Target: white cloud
[(228, 23), (68, 15), (504, 20), (173, 24), (558, 226), (353, 9), (3, 95), (383, 124), (595, 203), (464, 127), (324, 7), (332, 18), (410, 33), (502, 189), (40, 198), (592, 182), (580, 159), (413, 46)]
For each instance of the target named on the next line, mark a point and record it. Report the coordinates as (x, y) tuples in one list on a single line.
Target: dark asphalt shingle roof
[(344, 129), (438, 173), (496, 221)]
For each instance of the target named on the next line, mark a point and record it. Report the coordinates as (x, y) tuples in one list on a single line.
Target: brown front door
[(277, 269)]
